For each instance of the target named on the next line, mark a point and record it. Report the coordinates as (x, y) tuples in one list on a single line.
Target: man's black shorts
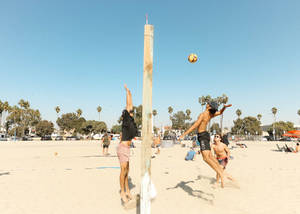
[(204, 140)]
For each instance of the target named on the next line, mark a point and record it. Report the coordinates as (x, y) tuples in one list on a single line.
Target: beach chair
[(282, 149), (289, 149)]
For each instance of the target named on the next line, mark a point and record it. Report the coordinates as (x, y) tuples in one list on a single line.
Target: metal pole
[(145, 204)]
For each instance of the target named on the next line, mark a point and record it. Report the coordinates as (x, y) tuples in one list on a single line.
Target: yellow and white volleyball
[(192, 58)]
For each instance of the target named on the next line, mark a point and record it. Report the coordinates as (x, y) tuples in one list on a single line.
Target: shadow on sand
[(4, 173), (195, 193), (211, 180), (276, 150), (130, 184)]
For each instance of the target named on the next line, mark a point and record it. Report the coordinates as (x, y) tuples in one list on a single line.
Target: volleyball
[(192, 58)]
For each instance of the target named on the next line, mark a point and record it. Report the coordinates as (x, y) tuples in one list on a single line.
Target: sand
[(74, 177)]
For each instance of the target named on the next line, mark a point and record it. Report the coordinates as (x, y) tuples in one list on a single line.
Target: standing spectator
[(105, 143)]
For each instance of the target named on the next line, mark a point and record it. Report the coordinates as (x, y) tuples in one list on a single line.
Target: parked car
[(167, 137), (285, 139), (59, 138), (46, 137), (3, 139), (73, 138), (187, 138), (26, 138), (13, 138), (269, 138)]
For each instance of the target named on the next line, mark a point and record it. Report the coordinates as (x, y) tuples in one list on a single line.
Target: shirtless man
[(129, 131), (297, 149), (222, 152), (210, 112)]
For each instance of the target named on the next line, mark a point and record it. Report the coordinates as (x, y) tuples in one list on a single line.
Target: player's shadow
[(195, 193), (276, 150), (130, 184), (211, 180), (4, 173)]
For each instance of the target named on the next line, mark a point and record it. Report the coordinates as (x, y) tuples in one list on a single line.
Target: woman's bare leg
[(127, 189), (122, 181)]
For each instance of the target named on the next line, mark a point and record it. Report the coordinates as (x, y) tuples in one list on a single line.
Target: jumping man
[(210, 112)]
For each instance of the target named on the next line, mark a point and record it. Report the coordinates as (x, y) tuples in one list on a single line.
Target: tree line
[(252, 125), (21, 119)]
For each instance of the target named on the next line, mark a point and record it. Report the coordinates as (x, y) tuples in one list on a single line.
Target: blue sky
[(78, 54)]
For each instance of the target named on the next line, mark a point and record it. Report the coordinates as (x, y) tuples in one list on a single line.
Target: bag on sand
[(153, 192)]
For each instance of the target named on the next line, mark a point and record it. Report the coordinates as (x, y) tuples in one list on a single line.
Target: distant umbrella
[(293, 134)]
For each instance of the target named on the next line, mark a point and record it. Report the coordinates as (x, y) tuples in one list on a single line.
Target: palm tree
[(154, 112), (202, 102), (223, 100), (238, 113), (57, 109), (99, 109), (170, 111), (188, 112), (6, 108), (298, 112), (1, 111), (207, 99), (259, 116), (274, 111), (24, 107), (24, 104), (79, 112)]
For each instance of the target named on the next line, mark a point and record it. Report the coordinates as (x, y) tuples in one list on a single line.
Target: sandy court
[(80, 180)]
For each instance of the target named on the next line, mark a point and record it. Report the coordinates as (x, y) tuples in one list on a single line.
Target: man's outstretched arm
[(195, 125), (222, 110), (129, 105)]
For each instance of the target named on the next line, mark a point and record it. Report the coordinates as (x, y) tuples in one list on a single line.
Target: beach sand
[(73, 177)]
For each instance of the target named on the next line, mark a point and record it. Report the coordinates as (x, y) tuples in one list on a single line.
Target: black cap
[(214, 105)]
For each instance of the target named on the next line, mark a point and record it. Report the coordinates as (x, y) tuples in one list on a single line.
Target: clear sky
[(78, 54)]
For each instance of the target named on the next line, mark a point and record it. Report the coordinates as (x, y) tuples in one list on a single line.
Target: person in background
[(190, 155), (105, 143)]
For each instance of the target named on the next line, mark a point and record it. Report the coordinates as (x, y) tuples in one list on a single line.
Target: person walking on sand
[(129, 131), (105, 143), (203, 136), (222, 153), (156, 142)]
